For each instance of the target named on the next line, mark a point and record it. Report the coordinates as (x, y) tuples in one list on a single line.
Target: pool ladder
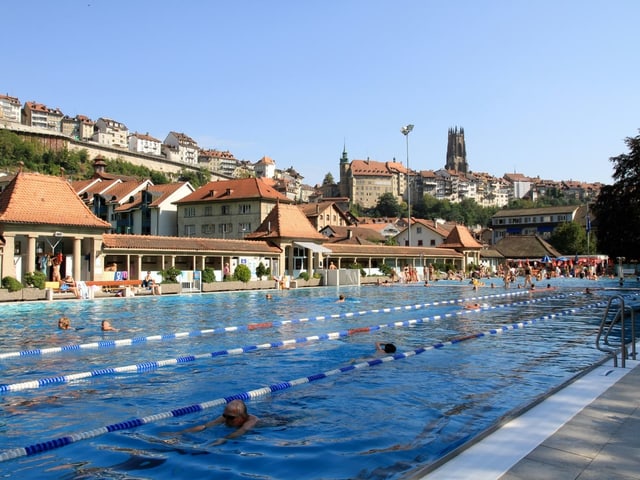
[(614, 320)]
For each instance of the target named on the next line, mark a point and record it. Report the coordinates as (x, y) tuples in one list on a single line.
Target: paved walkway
[(589, 430)]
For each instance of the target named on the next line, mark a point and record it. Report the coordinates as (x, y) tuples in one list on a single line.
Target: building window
[(190, 212), (189, 230), (433, 242), (226, 210), (225, 228), (418, 230), (208, 211), (245, 208), (207, 228), (244, 227)]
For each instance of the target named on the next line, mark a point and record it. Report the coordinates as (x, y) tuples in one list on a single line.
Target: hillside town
[(253, 213)]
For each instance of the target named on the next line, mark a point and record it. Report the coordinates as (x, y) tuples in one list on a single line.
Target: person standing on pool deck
[(235, 415)]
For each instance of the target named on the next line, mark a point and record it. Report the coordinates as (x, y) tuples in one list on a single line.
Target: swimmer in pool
[(235, 415), (385, 347)]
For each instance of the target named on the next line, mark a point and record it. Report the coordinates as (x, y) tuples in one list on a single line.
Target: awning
[(314, 247)]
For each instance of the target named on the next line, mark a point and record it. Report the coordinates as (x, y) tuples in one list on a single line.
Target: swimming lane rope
[(251, 326), (154, 365), (59, 442)]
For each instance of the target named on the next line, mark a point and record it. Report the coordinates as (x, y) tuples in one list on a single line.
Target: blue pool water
[(376, 421)]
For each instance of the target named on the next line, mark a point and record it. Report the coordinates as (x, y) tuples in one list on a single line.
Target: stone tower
[(344, 173), (456, 151)]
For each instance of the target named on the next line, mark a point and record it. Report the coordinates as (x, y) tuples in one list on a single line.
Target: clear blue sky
[(547, 88)]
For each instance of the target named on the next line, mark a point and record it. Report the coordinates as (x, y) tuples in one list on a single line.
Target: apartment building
[(145, 143), (227, 209), (110, 133), (179, 147), (9, 109), (40, 116), (79, 127), (535, 221)]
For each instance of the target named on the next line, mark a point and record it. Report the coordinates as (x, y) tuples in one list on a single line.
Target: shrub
[(11, 284), (208, 275), (385, 269), (170, 275), (262, 271), (304, 275), (242, 273), (35, 279)]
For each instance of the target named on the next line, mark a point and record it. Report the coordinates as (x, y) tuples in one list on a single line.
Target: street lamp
[(405, 131)]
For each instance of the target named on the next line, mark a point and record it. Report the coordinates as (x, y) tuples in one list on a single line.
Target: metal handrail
[(607, 327)]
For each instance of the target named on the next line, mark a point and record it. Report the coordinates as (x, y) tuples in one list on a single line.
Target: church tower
[(344, 173), (456, 151)]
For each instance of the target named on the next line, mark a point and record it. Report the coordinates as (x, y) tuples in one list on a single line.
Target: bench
[(53, 288), (117, 286)]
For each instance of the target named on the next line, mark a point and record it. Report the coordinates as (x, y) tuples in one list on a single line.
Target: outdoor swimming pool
[(329, 413)]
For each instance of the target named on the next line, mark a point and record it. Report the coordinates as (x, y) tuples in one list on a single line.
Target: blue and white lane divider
[(251, 326), (154, 365), (59, 442)]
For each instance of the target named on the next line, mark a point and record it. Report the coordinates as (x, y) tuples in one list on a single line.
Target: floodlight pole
[(405, 131)]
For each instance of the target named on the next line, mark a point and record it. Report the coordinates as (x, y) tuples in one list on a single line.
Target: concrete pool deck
[(588, 430)]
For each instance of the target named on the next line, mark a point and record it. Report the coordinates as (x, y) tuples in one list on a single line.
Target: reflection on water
[(393, 416)]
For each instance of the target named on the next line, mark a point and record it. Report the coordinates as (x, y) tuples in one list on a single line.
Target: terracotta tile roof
[(286, 221), (146, 136), (121, 192), (158, 193), (239, 189), (341, 233), (525, 246), (369, 167), (184, 244), (391, 251), (184, 140), (266, 161), (460, 237), (436, 227), (81, 185), (46, 200)]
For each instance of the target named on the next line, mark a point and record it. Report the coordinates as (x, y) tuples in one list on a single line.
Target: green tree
[(569, 238), (262, 271), (388, 206), (242, 273), (328, 179), (196, 179), (617, 208)]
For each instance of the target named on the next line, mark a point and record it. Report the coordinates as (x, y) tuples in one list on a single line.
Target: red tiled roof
[(369, 167), (184, 244), (391, 251), (32, 198), (158, 192), (239, 189), (286, 221), (460, 238)]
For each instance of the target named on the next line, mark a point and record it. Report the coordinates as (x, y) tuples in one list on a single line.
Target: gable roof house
[(104, 196), (227, 208), (40, 116), (427, 233), (301, 244), (10, 109), (179, 147), (368, 180), (42, 216), (323, 214), (144, 143), (111, 133), (152, 210), (461, 240)]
